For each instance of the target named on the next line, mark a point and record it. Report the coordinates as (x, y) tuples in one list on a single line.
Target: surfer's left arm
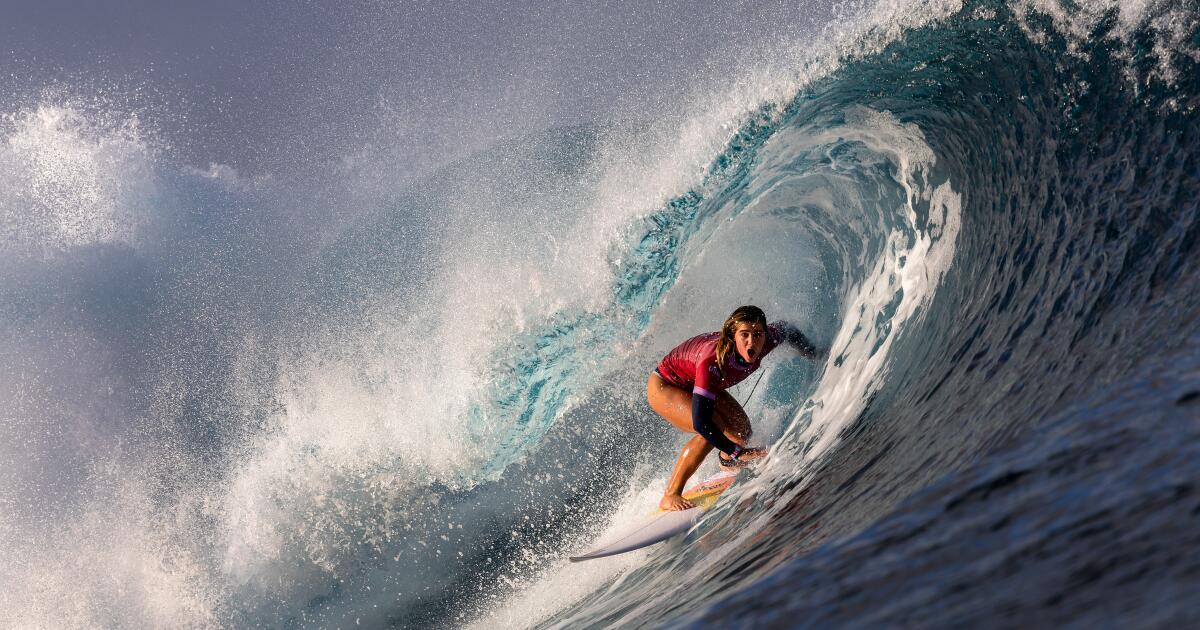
[(797, 340)]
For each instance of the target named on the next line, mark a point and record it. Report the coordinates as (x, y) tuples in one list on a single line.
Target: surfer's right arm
[(704, 407), (705, 385)]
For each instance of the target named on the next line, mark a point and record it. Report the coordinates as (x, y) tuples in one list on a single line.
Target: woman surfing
[(688, 389)]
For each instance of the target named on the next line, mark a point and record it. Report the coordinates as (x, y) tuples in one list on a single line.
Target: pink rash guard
[(693, 363)]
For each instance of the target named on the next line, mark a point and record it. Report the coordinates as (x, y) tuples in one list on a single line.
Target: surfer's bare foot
[(675, 502)]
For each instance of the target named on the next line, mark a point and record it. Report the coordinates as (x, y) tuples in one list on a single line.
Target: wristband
[(737, 452)]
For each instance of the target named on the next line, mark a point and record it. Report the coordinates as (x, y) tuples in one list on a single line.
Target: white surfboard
[(662, 524)]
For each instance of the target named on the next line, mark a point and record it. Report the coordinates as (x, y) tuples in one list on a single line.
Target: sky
[(255, 84)]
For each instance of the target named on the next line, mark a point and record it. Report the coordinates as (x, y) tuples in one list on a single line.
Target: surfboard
[(662, 525)]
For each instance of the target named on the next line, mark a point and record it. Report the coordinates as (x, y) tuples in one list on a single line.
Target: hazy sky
[(243, 83)]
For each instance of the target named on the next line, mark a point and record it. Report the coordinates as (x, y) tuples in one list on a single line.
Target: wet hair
[(741, 315)]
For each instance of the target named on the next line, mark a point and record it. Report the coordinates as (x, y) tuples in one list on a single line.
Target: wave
[(242, 410)]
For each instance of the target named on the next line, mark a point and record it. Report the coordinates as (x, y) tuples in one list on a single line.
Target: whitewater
[(289, 399)]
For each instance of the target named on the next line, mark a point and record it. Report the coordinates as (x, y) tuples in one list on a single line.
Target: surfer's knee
[(729, 407), (737, 428)]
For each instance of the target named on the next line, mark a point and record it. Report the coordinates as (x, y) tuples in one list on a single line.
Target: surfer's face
[(749, 339)]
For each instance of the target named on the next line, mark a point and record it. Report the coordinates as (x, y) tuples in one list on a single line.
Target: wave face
[(228, 411)]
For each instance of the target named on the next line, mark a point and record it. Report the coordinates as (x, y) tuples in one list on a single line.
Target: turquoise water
[(410, 414)]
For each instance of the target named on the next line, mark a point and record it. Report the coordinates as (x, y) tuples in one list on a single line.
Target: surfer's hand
[(674, 502), (748, 455), (752, 454)]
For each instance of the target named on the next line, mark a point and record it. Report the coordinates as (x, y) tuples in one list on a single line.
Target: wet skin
[(675, 405)]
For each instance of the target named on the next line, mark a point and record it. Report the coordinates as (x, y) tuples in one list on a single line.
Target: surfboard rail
[(662, 524)]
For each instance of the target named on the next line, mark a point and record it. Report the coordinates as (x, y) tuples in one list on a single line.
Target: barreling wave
[(411, 416), (997, 211)]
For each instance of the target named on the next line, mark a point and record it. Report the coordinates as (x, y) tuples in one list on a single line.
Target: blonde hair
[(741, 315)]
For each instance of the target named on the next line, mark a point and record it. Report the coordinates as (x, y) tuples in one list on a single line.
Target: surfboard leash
[(756, 382)]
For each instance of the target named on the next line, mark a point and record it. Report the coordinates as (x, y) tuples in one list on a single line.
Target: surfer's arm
[(797, 340), (703, 409)]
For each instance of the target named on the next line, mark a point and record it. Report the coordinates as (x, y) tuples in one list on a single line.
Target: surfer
[(688, 390)]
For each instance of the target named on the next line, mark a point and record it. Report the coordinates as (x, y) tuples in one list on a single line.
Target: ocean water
[(274, 401)]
